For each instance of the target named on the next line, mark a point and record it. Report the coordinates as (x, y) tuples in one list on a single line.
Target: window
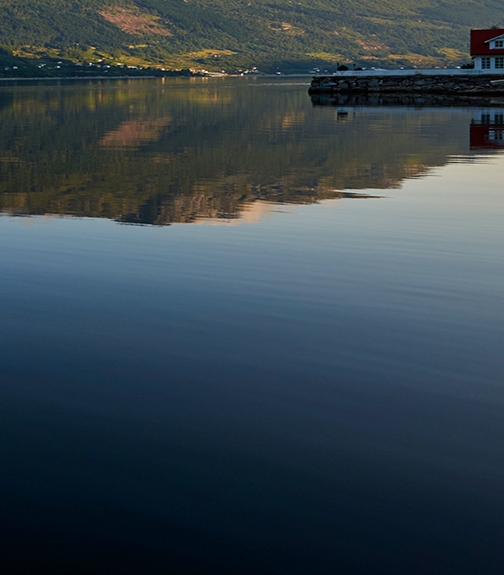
[(499, 62), (485, 63), (485, 119), (499, 119), (499, 43), (496, 135)]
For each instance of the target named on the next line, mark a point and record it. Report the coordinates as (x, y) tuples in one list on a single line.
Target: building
[(487, 50)]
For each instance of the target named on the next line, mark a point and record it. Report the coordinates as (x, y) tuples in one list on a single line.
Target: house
[(487, 50)]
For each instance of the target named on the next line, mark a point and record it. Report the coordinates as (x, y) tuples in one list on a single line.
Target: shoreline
[(52, 78), (210, 76)]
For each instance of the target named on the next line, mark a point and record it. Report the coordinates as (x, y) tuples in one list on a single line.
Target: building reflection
[(487, 129)]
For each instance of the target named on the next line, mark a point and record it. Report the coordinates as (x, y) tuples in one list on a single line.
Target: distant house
[(487, 50)]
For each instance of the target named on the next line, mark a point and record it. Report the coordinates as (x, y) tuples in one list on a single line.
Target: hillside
[(233, 34)]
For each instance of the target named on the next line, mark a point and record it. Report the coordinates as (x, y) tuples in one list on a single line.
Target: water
[(307, 378)]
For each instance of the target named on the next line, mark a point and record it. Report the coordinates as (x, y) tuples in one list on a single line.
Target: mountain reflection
[(133, 133), (149, 152)]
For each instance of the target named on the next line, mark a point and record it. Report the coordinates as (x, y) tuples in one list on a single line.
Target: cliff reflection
[(155, 153)]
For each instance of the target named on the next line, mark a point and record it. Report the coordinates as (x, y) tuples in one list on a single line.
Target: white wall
[(492, 69)]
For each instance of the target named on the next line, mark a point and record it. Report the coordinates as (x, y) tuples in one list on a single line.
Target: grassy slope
[(241, 33)]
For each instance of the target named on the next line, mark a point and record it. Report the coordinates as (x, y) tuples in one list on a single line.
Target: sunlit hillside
[(234, 34)]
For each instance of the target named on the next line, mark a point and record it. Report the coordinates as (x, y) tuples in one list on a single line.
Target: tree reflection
[(150, 152)]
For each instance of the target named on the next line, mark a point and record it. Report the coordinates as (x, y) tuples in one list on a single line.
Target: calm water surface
[(293, 366)]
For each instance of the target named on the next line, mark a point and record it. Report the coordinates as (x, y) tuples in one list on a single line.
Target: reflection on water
[(134, 133), (157, 152), (415, 100), (487, 129), (318, 393)]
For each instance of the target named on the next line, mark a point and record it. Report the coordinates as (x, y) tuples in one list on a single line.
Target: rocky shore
[(415, 83)]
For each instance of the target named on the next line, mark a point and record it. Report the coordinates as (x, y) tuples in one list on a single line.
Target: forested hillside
[(233, 34)]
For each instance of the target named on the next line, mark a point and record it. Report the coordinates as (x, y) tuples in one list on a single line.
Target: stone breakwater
[(416, 83)]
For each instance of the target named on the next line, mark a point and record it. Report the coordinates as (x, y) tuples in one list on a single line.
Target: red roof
[(480, 42)]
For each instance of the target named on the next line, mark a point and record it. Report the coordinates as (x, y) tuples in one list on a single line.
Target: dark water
[(308, 381)]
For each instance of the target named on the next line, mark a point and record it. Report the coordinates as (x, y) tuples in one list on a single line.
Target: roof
[(480, 42), (496, 38)]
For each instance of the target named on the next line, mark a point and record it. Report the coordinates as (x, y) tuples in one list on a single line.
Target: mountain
[(234, 34)]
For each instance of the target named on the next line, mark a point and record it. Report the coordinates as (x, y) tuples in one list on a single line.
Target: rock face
[(414, 84)]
